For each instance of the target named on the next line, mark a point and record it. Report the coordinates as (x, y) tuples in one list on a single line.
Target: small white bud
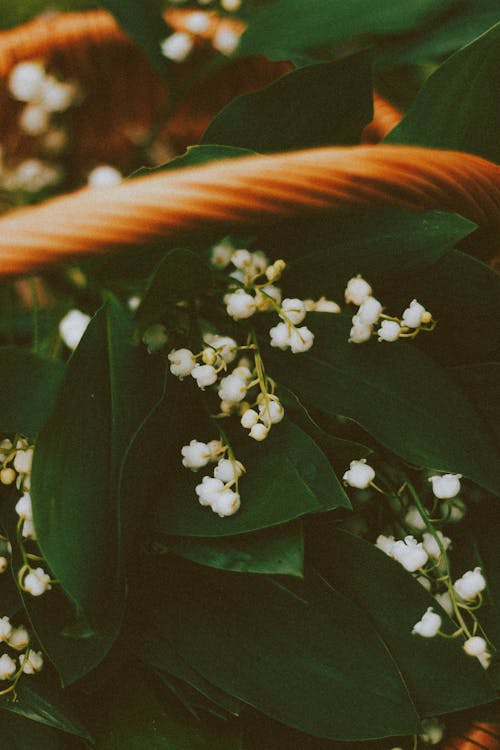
[(221, 254), (31, 663), (326, 305), (34, 120), (225, 40), (232, 389), (280, 336), (7, 667), (104, 176), (7, 475), (178, 46), (272, 412), (72, 327), (240, 304), (19, 638), (227, 470), (226, 503), (301, 340), (209, 356), (264, 297), (444, 600), (4, 564), (389, 331), (412, 316), (429, 625), (25, 81), (432, 731), (452, 511), (475, 646), (484, 660), (359, 474), (414, 519), (274, 271), (410, 554), (197, 23), (259, 432), (445, 486), (242, 372), (230, 5), (204, 375), (23, 507), (369, 311), (293, 310), (28, 530), (249, 419), (182, 362), (22, 463), (57, 96), (225, 346), (5, 629), (385, 543), (470, 584), (37, 582), (208, 489), (242, 259), (424, 582), (357, 290), (360, 333), (432, 547), (195, 455)]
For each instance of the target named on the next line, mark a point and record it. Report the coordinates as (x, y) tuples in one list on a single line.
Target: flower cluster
[(16, 639), (370, 313), (199, 26), (216, 491)]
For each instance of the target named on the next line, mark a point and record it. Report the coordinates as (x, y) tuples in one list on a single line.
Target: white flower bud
[(259, 432), (275, 270), (232, 389), (226, 503), (225, 40), (23, 507), (28, 530), (221, 254), (432, 731), (369, 311), (385, 543), (230, 5), (360, 333), (249, 419), (326, 305), (280, 336), (197, 23), (262, 297), (19, 638), (272, 412), (22, 463), (178, 46), (208, 490), (37, 582), (32, 663), (226, 347), (227, 470), (240, 304), (444, 600), (215, 448), (446, 486), (470, 584), (34, 120), (5, 629), (432, 547), (244, 373), (410, 554), (424, 582), (301, 340), (204, 375), (25, 81), (72, 327), (209, 356), (412, 316), (484, 660), (260, 262), (57, 96), (104, 176), (414, 519), (429, 625), (293, 310), (389, 331), (4, 564), (182, 362), (7, 667), (242, 259), (357, 290), (195, 455), (452, 511), (475, 646), (7, 475), (359, 474)]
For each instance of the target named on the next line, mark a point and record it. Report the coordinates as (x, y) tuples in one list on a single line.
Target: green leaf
[(287, 477), (308, 659), (318, 105), (395, 392), (276, 551), (457, 108), (21, 734), (441, 678), (143, 22), (481, 383), (289, 26), (29, 389), (109, 387), (194, 156)]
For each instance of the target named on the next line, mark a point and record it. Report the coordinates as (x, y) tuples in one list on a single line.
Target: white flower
[(182, 362), (280, 336), (429, 625), (104, 175), (260, 262), (134, 302), (410, 554), (28, 530), (227, 470), (259, 432), (475, 646), (249, 419), (272, 412), (23, 460), (208, 490), (7, 475), (424, 582), (25, 81), (7, 667), (444, 600), (470, 584), (301, 339), (359, 474), (72, 327), (225, 40), (225, 346), (412, 316), (230, 5), (37, 582), (432, 731), (4, 564), (177, 47), (369, 312), (221, 254), (57, 96), (484, 660), (326, 305), (262, 297), (432, 547), (360, 333), (19, 638), (32, 662), (204, 375), (232, 389), (195, 455), (414, 519), (34, 119), (357, 290), (293, 310), (389, 331), (23, 507), (385, 543), (446, 486), (242, 259), (452, 511), (240, 304), (226, 503), (5, 629), (197, 23), (275, 270)]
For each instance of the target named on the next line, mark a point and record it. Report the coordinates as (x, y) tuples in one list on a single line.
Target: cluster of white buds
[(370, 313), (16, 639), (16, 463), (200, 26), (215, 491)]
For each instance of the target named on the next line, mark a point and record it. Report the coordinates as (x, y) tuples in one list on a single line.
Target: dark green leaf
[(321, 104), (397, 393), (29, 389), (287, 26), (276, 551), (309, 659), (18, 733), (481, 383), (440, 676), (458, 106), (194, 156)]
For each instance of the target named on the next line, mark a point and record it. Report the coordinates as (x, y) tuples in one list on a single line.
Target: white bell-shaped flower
[(429, 625), (359, 474), (357, 290), (475, 646), (293, 310), (182, 362), (446, 486), (470, 584), (204, 375), (240, 304), (410, 554), (7, 667)]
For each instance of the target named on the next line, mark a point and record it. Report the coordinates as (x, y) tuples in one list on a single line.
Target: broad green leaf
[(286, 477), (318, 105), (143, 22), (441, 678), (395, 392), (286, 26), (194, 156), (276, 551), (308, 659), (109, 387), (29, 389), (18, 733), (458, 106), (481, 383)]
